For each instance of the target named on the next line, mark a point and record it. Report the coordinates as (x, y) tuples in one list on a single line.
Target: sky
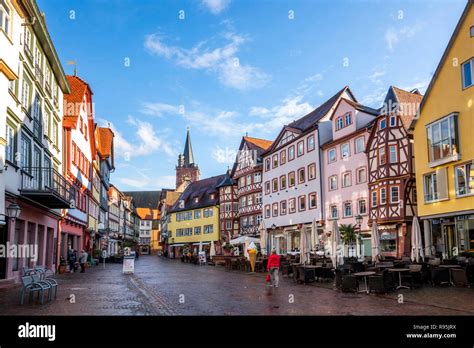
[(227, 68)]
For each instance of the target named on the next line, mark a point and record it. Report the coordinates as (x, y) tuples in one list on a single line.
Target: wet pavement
[(161, 286)]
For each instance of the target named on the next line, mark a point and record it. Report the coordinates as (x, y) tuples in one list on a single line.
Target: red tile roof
[(73, 100), (262, 143), (409, 103), (105, 140)]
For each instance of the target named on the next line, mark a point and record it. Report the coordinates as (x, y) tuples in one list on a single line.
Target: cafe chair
[(349, 283), (439, 276), (414, 276), (459, 277)]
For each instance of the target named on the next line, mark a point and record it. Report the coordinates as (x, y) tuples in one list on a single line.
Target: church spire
[(188, 151)]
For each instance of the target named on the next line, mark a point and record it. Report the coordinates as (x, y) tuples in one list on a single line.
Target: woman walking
[(273, 266)]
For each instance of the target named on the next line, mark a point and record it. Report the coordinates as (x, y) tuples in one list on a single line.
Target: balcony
[(47, 187)]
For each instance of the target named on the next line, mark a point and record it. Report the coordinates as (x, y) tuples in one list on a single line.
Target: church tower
[(186, 170)]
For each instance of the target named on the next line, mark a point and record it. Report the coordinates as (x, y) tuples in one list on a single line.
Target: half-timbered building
[(247, 173), (228, 208), (391, 173)]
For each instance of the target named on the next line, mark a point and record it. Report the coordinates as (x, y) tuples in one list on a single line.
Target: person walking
[(72, 257), (83, 260), (273, 266)]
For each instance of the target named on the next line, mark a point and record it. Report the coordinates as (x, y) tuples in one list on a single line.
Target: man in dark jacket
[(273, 266), (72, 258)]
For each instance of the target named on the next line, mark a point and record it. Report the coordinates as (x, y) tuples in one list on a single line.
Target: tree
[(348, 233)]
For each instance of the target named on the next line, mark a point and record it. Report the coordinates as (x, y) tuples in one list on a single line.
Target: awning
[(177, 244), (203, 243), (244, 239)]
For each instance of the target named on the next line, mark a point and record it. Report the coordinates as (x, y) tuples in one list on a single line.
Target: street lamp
[(359, 220), (13, 211)]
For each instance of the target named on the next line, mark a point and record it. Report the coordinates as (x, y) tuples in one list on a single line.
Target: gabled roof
[(201, 189), (105, 141), (144, 199), (408, 103), (357, 106), (469, 4), (260, 143), (74, 99), (310, 120), (227, 180), (253, 144)]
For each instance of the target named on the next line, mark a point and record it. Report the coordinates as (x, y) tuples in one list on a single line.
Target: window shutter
[(442, 179)]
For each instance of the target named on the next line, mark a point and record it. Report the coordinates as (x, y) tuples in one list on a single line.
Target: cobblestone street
[(168, 287)]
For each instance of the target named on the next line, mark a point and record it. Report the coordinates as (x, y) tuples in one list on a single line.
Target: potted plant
[(227, 247), (62, 265), (349, 235)]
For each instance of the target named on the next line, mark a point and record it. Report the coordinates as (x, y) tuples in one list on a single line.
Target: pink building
[(344, 163)]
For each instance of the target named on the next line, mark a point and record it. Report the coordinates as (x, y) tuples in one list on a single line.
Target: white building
[(32, 83), (292, 177)]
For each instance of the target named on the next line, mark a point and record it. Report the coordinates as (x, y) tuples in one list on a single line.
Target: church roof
[(188, 151)]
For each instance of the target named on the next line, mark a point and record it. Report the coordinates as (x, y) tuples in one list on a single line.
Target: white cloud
[(159, 109), (147, 142), (215, 6), (159, 182), (420, 85), (375, 76), (222, 61), (393, 36), (376, 98)]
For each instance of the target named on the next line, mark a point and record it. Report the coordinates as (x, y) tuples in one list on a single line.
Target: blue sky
[(235, 66)]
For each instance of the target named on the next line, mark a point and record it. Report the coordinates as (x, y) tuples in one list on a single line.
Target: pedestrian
[(83, 260), (137, 253), (72, 258), (273, 266)]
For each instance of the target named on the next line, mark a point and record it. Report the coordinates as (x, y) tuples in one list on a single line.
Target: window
[(274, 185), (393, 121), (26, 92), (361, 174), (292, 205), (5, 17), (250, 200), (267, 211), (208, 212), (208, 229), (283, 157), (348, 119), (301, 203), (394, 194), (312, 201), (73, 154), (283, 182), (11, 144), (393, 156), (382, 159), (248, 180), (243, 201), (267, 164), (467, 73), (339, 123), (301, 176), (334, 212), (275, 209), (46, 118), (291, 153), (196, 199), (310, 143), (383, 196), (25, 153), (345, 150), (291, 179), (431, 187), (267, 187), (359, 145), (258, 219), (383, 124), (471, 30), (257, 177), (312, 171), (443, 138), (300, 148), (55, 132), (347, 209), (275, 161), (241, 182), (346, 179), (374, 199), (362, 206), (464, 179), (333, 183), (258, 198), (332, 155), (282, 207)]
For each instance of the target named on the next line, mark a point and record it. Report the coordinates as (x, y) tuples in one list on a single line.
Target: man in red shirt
[(273, 266)]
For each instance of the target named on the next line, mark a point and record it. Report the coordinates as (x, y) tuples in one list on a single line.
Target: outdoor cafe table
[(399, 271), (310, 267), (365, 275), (450, 267)]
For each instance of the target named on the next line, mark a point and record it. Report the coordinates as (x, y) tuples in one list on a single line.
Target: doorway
[(449, 240)]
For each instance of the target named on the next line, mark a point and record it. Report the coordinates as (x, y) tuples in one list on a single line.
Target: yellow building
[(444, 148), (194, 218)]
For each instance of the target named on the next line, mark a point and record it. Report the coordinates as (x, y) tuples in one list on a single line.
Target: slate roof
[(227, 181), (144, 199), (201, 189)]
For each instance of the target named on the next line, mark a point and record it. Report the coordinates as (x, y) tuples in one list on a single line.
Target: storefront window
[(465, 233), (388, 241)]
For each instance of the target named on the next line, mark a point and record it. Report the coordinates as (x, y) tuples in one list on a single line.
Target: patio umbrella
[(336, 254), (200, 246), (314, 235), (303, 247), (263, 238), (375, 243), (416, 243), (212, 251)]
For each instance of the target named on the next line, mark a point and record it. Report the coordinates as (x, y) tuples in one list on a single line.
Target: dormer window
[(383, 124), (339, 123), (348, 119), (196, 200), (212, 196)]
